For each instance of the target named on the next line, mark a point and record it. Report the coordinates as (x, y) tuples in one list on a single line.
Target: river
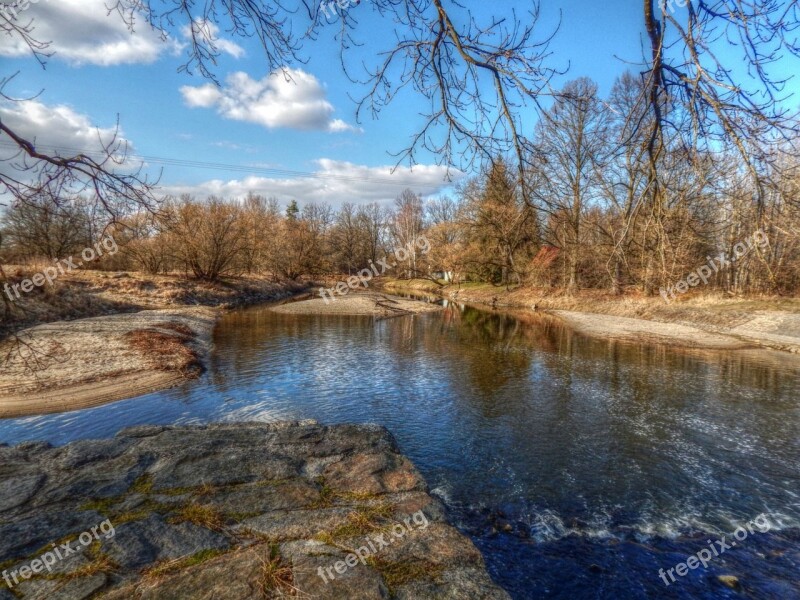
[(580, 467)]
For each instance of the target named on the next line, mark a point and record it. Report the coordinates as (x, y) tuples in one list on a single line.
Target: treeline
[(596, 211), (218, 237)]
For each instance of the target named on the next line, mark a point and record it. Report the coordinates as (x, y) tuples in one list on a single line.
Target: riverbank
[(129, 334), (233, 512), (712, 322), (69, 365), (84, 294), (372, 304)]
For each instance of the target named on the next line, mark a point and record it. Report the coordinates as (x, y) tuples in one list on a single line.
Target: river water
[(580, 467)]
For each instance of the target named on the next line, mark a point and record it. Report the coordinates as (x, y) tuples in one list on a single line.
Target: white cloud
[(58, 130), (292, 99), (203, 96), (333, 182), (209, 33), (58, 127), (83, 32), (337, 125)]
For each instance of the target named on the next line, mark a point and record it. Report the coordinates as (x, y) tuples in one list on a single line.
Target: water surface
[(579, 467)]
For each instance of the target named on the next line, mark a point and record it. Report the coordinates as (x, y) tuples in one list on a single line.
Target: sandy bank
[(370, 304), (705, 322), (641, 330), (69, 355), (85, 294), (69, 365), (774, 330)]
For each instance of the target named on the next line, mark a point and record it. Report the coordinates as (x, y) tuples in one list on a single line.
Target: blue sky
[(99, 71)]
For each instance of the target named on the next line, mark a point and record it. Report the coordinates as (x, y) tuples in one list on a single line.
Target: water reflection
[(598, 453)]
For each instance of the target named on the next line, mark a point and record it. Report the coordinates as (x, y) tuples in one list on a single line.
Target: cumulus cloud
[(58, 127), (208, 32), (292, 99), (58, 130), (333, 182), (84, 32)]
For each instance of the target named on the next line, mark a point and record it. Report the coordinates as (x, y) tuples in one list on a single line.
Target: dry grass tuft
[(398, 574), (101, 564), (178, 564), (142, 485), (201, 515), (276, 578), (362, 521), (166, 352), (371, 517), (205, 489)]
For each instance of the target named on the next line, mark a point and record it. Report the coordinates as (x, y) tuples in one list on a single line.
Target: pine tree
[(292, 211)]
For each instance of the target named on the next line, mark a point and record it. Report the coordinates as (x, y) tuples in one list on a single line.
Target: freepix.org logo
[(11, 10), (57, 553), (332, 8)]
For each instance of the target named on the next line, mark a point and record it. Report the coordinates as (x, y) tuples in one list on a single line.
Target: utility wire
[(185, 163)]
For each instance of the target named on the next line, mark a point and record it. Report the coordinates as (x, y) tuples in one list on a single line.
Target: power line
[(185, 163)]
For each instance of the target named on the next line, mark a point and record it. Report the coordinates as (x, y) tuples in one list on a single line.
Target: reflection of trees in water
[(257, 338), (762, 373), (567, 417), (403, 333), (661, 388), (237, 338), (605, 360), (480, 352)]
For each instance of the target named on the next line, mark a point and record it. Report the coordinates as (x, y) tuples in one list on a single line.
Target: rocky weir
[(229, 512)]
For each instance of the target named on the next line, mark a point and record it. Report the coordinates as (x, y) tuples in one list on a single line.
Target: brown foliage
[(166, 351)]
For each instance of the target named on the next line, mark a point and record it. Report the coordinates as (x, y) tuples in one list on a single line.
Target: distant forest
[(588, 218)]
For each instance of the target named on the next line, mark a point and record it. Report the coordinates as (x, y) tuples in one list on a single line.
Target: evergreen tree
[(292, 210)]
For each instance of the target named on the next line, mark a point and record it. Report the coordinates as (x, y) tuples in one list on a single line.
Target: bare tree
[(143, 243), (207, 238), (446, 236), (318, 219), (345, 239), (438, 49), (712, 79), (407, 225), (106, 175), (373, 220), (441, 210), (623, 179), (261, 222), (572, 146), (45, 227)]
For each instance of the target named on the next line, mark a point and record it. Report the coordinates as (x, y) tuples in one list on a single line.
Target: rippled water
[(580, 467)]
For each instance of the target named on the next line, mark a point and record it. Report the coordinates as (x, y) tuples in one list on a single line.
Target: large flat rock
[(229, 511)]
